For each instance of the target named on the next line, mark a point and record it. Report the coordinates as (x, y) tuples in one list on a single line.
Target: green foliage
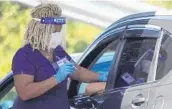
[(79, 36), (162, 3), (13, 21)]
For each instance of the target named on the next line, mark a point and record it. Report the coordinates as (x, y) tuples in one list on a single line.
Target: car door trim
[(153, 67), (112, 75)]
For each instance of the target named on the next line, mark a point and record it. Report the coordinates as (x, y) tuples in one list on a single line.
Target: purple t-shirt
[(33, 63)]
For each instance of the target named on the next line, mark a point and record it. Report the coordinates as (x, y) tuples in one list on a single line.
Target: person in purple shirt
[(38, 83)]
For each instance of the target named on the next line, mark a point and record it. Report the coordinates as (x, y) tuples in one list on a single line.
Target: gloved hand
[(103, 77), (65, 70)]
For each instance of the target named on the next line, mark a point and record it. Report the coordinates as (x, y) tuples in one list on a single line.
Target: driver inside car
[(91, 88), (102, 66)]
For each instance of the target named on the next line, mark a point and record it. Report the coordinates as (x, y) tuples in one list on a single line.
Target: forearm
[(88, 76), (95, 87), (85, 75), (36, 89)]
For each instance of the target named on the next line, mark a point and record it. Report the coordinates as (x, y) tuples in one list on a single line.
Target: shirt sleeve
[(22, 65)]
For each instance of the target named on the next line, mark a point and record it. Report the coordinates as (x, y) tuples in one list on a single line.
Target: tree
[(13, 21), (162, 3)]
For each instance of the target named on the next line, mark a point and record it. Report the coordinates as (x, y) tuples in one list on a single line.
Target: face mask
[(146, 66), (56, 39)]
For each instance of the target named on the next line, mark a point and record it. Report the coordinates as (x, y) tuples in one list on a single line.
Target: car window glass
[(7, 101), (135, 62), (101, 64), (164, 59)]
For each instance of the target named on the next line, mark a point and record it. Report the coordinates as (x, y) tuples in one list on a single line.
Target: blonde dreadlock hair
[(37, 34)]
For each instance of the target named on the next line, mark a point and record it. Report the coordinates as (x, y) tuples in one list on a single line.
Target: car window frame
[(153, 67), (154, 80)]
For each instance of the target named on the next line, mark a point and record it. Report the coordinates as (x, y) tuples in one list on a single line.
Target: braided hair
[(38, 35)]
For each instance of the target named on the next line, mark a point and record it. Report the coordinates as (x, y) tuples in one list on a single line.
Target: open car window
[(104, 59), (101, 64)]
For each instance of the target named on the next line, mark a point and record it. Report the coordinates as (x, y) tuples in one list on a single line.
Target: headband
[(51, 20)]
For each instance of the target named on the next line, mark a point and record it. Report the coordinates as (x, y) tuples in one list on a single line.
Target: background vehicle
[(136, 41)]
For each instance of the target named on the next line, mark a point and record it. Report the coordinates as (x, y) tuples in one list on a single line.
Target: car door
[(133, 69), (160, 95), (137, 95)]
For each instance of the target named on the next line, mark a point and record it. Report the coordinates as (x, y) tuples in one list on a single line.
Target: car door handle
[(139, 100)]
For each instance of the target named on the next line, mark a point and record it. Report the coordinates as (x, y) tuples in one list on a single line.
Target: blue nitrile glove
[(103, 77), (65, 70)]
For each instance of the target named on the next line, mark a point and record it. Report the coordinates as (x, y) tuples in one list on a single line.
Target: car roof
[(151, 18)]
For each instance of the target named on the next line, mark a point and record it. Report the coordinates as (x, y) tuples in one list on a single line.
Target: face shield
[(58, 37)]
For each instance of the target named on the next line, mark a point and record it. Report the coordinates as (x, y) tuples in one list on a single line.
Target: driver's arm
[(95, 87)]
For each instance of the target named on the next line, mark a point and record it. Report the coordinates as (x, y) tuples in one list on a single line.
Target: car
[(139, 68)]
